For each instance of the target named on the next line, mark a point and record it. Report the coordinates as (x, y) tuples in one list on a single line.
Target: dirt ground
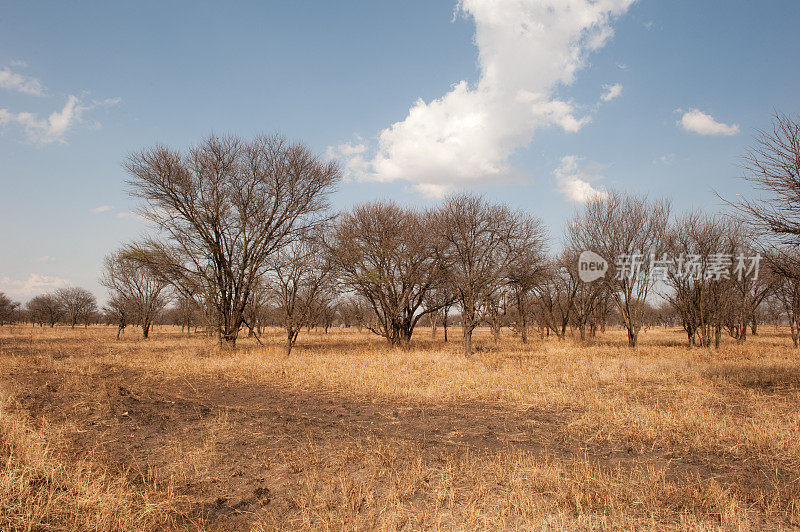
[(240, 451)]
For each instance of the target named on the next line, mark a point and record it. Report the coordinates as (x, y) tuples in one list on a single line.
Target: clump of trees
[(245, 240)]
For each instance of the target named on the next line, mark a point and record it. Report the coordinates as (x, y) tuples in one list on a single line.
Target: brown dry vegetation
[(348, 434)]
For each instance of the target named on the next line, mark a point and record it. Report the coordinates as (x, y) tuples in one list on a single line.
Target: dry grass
[(348, 434)]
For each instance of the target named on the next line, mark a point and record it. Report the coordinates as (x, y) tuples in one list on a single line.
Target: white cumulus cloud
[(527, 50), (55, 127), (34, 285), (702, 123), (575, 182), (611, 92), (18, 82)]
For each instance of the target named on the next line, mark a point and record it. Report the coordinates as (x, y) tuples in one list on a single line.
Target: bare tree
[(224, 208), (45, 308), (8, 309), (384, 254), (300, 274), (78, 303), (772, 165), (478, 243), (555, 295), (118, 311), (700, 284), (135, 288), (527, 270), (785, 265), (626, 230)]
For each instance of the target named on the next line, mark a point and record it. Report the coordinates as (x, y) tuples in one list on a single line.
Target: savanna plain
[(348, 433)]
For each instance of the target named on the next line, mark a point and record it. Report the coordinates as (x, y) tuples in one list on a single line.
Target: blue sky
[(560, 99)]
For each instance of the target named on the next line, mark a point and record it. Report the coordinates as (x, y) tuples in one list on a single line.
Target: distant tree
[(385, 254), (700, 290), (527, 270), (8, 309), (224, 209), (135, 287), (478, 243), (118, 312), (45, 308), (78, 303), (555, 294), (300, 275), (626, 230), (784, 262)]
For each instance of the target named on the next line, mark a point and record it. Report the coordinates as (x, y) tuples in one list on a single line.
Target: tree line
[(245, 238)]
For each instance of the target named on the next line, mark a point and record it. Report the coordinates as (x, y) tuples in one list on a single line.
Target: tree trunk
[(145, 329)]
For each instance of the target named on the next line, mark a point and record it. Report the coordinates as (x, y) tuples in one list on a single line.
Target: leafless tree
[(45, 308), (8, 309), (784, 262), (385, 254), (78, 303), (118, 311), (300, 274), (699, 283), (134, 286), (478, 243), (224, 208), (527, 270), (626, 230), (440, 297), (555, 295), (772, 165)]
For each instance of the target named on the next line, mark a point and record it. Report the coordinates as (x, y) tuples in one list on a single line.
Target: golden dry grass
[(348, 434)]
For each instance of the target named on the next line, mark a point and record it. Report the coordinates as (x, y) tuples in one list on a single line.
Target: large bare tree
[(134, 286), (386, 254), (627, 231), (772, 165), (223, 208)]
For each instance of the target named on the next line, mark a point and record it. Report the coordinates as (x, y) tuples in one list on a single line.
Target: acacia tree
[(45, 308), (478, 243), (300, 274), (7, 308), (78, 304), (134, 288), (626, 230), (224, 207), (386, 255)]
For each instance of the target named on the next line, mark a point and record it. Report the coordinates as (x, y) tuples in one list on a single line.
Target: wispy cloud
[(34, 285), (527, 50), (43, 259), (611, 92), (575, 182), (15, 81), (702, 123), (55, 127), (102, 208)]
